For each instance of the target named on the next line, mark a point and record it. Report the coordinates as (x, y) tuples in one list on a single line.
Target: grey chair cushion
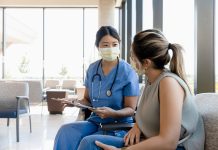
[(35, 91), (208, 106), (8, 93)]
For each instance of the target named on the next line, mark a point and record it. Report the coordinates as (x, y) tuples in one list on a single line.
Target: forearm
[(128, 109), (154, 143), (125, 112), (84, 101)]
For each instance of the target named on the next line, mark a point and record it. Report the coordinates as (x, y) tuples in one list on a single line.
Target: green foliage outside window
[(24, 65)]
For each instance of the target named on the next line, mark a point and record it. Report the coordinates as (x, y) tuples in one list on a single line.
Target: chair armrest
[(45, 89), (22, 97), (19, 99), (117, 126)]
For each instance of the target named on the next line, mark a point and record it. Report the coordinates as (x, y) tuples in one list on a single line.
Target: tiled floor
[(44, 128)]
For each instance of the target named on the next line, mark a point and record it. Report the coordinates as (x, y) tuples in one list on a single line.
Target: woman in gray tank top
[(166, 116)]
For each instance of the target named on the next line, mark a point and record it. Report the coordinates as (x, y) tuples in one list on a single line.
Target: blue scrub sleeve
[(87, 78), (132, 87)]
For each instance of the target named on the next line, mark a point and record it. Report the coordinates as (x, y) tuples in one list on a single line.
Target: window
[(147, 14), (58, 45), (23, 43), (1, 41), (116, 19), (90, 29), (179, 28), (63, 43)]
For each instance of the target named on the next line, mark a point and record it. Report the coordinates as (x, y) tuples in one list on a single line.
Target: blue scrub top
[(126, 84)]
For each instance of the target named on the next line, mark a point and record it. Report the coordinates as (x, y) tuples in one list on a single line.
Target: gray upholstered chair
[(208, 107), (70, 85), (51, 83), (35, 91), (14, 102)]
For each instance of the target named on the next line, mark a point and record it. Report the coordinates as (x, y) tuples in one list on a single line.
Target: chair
[(70, 85), (207, 104), (14, 102), (51, 83), (35, 91), (80, 90)]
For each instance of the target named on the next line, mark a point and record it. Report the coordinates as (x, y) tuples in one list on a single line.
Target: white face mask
[(109, 53), (138, 71)]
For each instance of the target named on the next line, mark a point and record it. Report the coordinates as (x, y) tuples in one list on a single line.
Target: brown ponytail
[(177, 63)]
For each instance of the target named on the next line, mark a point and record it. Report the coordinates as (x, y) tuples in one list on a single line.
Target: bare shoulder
[(170, 91), (170, 84)]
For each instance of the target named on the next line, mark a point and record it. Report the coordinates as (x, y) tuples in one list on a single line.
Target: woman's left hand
[(104, 112), (105, 146)]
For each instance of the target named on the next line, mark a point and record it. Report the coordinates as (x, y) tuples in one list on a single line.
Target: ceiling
[(52, 3)]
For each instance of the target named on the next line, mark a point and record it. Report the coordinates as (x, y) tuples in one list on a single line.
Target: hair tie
[(169, 46)]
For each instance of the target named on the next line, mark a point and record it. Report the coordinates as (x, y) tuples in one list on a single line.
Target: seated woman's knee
[(88, 142)]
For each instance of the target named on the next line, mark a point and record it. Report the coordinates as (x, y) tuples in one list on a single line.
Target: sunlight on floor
[(44, 129)]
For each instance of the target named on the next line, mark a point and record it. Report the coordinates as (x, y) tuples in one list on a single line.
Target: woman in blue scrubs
[(111, 87)]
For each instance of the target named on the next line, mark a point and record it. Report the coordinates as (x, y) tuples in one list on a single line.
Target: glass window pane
[(147, 14), (64, 43), (23, 48), (179, 28), (133, 18), (1, 35), (116, 19), (90, 29)]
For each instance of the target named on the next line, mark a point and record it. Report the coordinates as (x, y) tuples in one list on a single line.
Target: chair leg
[(17, 128), (8, 121), (42, 106), (30, 124)]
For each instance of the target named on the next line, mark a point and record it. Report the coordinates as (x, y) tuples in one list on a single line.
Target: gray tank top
[(148, 115)]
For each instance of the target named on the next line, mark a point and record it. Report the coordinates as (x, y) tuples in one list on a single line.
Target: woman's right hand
[(133, 136)]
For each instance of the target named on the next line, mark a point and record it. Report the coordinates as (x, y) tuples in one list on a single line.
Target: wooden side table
[(55, 106)]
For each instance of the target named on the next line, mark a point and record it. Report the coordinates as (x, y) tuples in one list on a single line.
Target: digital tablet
[(83, 106)]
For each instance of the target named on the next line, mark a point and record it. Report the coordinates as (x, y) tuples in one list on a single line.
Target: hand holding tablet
[(73, 102), (83, 106)]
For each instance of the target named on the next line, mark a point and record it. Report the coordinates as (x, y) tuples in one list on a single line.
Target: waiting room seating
[(51, 83), (208, 107), (35, 91), (207, 104), (80, 91), (14, 102), (69, 84)]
